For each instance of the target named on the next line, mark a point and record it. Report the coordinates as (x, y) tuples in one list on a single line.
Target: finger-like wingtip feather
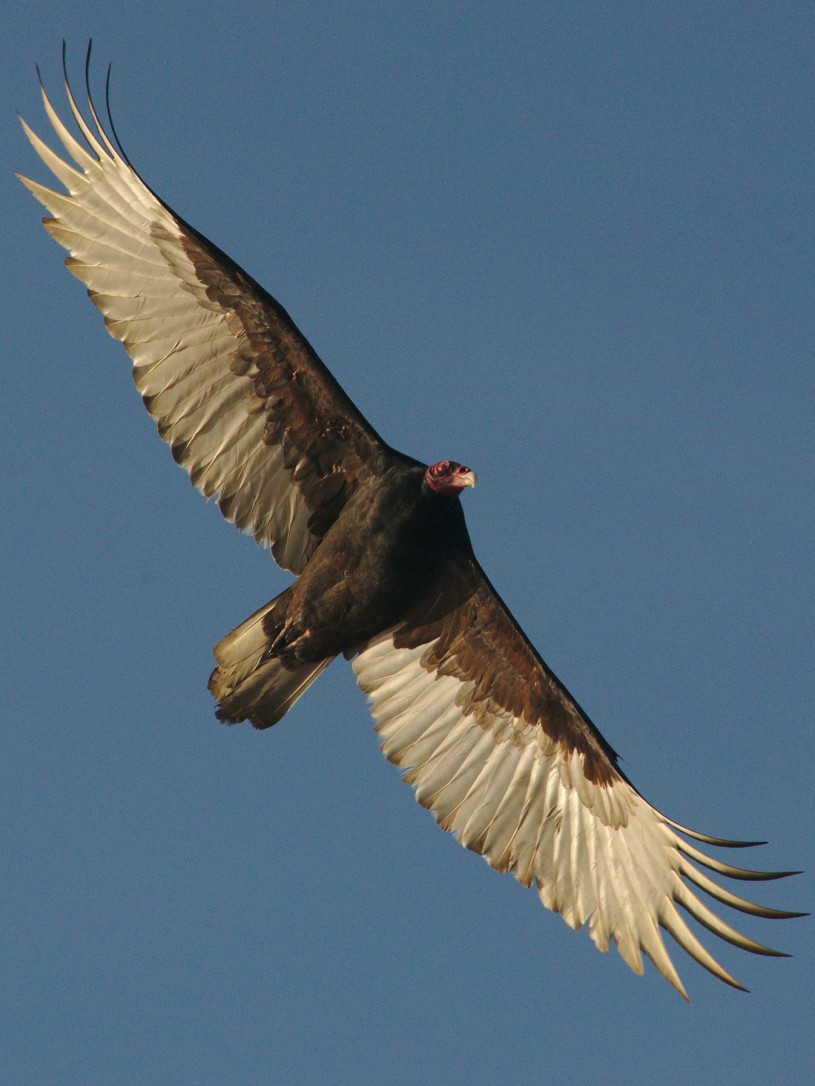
[(109, 112)]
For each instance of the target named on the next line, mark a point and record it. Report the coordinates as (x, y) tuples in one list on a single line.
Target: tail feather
[(249, 687)]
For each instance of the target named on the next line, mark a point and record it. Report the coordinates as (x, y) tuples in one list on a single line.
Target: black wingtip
[(771, 876), (113, 131), (88, 67)]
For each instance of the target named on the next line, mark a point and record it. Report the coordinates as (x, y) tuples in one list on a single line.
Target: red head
[(449, 478)]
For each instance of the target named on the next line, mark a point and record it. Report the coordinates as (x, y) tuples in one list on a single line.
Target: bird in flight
[(491, 741)]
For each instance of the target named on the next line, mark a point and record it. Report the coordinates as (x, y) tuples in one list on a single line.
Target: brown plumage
[(489, 738)]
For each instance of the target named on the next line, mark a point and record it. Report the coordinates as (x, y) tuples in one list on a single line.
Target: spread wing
[(249, 409), (498, 750)]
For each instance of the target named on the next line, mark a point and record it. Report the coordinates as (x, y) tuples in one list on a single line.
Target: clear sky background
[(570, 244)]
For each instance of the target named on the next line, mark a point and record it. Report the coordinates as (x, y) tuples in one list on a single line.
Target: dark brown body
[(387, 554), (398, 551)]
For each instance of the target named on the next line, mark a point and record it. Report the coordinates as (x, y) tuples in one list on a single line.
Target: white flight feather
[(127, 248), (599, 853)]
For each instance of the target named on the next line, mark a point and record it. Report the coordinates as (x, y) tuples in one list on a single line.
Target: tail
[(249, 687)]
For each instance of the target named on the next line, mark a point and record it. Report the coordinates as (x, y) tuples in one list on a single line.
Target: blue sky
[(568, 244)]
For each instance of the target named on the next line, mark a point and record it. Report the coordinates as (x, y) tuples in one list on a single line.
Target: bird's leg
[(289, 638)]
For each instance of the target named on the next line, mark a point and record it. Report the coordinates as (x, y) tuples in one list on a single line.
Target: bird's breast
[(381, 557)]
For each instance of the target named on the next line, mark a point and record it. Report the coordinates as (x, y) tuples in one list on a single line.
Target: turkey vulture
[(491, 741)]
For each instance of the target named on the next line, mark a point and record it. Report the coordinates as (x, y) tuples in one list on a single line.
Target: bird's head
[(449, 478)]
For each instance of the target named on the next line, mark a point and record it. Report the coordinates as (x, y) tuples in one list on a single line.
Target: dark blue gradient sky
[(568, 244)]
